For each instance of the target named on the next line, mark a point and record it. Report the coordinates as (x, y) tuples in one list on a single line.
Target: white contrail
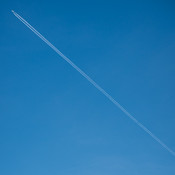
[(94, 83)]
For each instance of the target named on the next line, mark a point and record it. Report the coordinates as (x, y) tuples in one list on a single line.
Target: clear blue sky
[(53, 121)]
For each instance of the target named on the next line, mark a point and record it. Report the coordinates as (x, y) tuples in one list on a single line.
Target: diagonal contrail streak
[(94, 83)]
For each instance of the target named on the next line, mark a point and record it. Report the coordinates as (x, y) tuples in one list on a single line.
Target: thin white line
[(93, 83)]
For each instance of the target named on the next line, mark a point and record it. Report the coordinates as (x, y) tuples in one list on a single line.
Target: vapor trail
[(94, 83)]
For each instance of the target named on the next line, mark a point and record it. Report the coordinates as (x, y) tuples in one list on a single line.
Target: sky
[(53, 121)]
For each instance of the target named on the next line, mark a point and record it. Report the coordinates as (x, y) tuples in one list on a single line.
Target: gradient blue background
[(53, 121)]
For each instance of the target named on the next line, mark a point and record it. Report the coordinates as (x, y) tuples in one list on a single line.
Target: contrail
[(94, 83)]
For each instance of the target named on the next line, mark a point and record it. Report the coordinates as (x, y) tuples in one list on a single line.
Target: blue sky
[(53, 121)]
